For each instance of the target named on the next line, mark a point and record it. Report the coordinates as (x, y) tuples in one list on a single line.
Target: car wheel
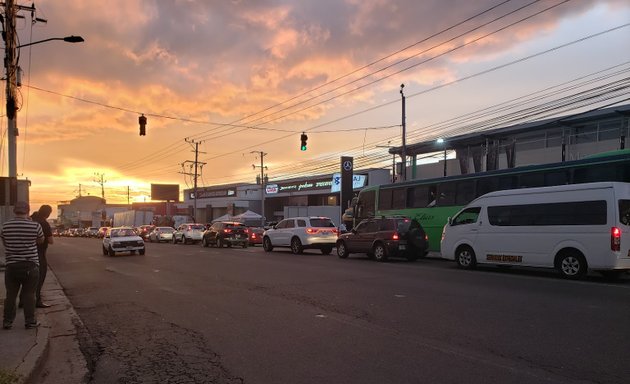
[(571, 264), (296, 246), (342, 250), (380, 254), (465, 257), (219, 242), (244, 245), (326, 250), (174, 240), (267, 244), (204, 242), (185, 240), (111, 252), (104, 250), (141, 251)]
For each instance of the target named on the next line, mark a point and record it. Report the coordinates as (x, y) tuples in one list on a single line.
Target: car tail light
[(615, 239), (227, 230), (335, 230), (253, 235), (246, 230), (312, 231), (395, 236)]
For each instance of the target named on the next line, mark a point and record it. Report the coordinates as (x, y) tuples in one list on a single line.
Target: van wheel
[(267, 245), (379, 252), (465, 257), (296, 246), (342, 250), (571, 264)]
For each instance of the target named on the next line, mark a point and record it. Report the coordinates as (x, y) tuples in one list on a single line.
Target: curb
[(36, 356)]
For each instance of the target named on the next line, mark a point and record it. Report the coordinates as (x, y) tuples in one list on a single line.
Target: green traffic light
[(303, 148)]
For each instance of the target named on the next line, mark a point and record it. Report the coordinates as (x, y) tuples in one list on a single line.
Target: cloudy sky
[(240, 77)]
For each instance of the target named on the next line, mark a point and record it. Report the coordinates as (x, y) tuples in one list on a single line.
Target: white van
[(572, 228)]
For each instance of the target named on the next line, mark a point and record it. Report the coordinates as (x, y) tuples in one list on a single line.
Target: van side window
[(467, 216), (624, 212), (571, 213)]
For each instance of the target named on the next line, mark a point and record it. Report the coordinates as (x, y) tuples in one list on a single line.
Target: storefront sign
[(298, 186), (207, 193), (271, 189), (358, 181)]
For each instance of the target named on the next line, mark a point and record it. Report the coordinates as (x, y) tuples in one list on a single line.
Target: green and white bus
[(433, 201)]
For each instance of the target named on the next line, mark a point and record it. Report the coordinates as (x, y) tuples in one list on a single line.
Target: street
[(188, 314)]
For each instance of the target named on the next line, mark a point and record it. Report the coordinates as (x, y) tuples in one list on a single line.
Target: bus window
[(530, 180), (465, 192), (593, 174), (365, 205), (507, 182), (486, 185), (385, 199), (446, 194), (556, 178), (399, 197), (418, 197)]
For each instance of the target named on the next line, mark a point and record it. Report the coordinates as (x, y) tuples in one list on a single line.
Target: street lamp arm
[(68, 39)]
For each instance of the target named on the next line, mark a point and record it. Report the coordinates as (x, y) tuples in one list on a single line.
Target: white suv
[(188, 233), (300, 233)]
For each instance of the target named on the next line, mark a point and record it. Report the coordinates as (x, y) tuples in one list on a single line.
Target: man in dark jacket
[(41, 217)]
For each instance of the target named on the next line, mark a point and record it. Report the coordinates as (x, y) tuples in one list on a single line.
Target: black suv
[(384, 237), (226, 233)]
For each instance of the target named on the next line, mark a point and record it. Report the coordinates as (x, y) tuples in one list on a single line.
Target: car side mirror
[(353, 231), (450, 220)]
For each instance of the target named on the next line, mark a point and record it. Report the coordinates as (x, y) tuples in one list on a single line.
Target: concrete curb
[(36, 356)]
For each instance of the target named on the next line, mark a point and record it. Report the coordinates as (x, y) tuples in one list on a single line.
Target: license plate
[(402, 246)]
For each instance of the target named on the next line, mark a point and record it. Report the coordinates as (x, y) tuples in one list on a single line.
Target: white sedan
[(122, 239)]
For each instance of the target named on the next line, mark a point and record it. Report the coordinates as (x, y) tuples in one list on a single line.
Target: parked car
[(300, 233), (255, 235), (122, 239), (228, 233), (188, 233), (161, 234), (91, 232), (144, 230), (384, 237), (102, 231)]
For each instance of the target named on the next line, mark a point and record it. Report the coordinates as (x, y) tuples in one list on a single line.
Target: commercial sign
[(206, 193), (358, 181)]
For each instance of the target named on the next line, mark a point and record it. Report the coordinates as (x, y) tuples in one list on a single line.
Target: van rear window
[(571, 213), (624, 212)]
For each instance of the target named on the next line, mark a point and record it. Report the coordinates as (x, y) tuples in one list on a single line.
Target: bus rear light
[(615, 239)]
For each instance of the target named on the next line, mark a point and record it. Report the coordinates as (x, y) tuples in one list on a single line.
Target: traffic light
[(303, 138), (142, 120)]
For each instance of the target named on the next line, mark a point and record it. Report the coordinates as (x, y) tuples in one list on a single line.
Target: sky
[(244, 77)]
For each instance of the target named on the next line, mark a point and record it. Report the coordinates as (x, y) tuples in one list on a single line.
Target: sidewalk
[(25, 352)]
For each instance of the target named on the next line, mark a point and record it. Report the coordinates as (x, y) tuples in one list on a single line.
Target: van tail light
[(312, 231), (615, 239), (395, 236)]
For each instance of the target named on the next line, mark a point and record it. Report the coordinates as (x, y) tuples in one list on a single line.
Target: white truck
[(132, 218)]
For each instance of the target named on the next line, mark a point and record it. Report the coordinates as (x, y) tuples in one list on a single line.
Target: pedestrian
[(20, 237), (41, 216)]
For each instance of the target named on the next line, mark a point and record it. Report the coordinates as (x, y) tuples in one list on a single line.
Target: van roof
[(559, 188)]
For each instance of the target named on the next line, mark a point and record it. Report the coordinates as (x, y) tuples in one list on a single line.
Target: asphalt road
[(188, 314)]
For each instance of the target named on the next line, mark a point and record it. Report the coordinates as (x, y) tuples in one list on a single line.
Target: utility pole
[(128, 196), (79, 190), (197, 165), (10, 64), (403, 154), (99, 179), (262, 182)]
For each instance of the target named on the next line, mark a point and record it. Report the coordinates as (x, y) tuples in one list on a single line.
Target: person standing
[(41, 216), (20, 237)]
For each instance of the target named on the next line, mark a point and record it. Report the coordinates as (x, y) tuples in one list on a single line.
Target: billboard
[(168, 192)]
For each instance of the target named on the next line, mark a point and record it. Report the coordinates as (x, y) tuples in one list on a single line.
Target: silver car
[(160, 234), (188, 233), (300, 233)]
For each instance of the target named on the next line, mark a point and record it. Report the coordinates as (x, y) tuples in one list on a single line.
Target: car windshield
[(235, 226), (322, 222), (198, 227), (122, 232), (166, 229)]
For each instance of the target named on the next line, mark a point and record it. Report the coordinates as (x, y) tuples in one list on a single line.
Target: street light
[(67, 39), (11, 66)]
